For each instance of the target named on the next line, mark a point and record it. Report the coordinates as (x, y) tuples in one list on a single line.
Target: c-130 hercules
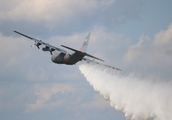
[(64, 57)]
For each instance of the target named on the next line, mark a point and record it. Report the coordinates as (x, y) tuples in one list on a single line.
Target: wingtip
[(15, 31)]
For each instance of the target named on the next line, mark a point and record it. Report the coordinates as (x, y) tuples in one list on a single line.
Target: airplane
[(63, 57)]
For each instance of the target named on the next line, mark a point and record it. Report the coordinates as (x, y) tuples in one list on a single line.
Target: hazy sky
[(134, 35)]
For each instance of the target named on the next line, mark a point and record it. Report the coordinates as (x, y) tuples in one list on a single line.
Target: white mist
[(137, 99)]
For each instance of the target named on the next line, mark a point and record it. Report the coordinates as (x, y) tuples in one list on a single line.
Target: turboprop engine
[(46, 48), (37, 44)]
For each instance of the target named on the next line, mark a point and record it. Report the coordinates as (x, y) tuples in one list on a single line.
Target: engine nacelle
[(46, 48), (66, 57)]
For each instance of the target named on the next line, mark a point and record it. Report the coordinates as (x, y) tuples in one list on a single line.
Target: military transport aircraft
[(63, 57)]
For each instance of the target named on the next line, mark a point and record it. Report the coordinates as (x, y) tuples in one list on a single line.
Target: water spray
[(138, 99)]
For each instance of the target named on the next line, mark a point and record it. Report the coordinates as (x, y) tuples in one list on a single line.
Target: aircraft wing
[(92, 61), (40, 42)]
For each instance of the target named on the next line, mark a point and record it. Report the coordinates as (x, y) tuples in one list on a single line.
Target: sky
[(133, 35)]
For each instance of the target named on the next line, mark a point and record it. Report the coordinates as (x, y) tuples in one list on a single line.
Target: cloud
[(96, 103), (51, 11), (62, 17), (9, 47), (18, 60), (45, 92), (154, 56)]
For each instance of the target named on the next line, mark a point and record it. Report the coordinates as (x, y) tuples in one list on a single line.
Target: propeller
[(51, 50), (37, 44)]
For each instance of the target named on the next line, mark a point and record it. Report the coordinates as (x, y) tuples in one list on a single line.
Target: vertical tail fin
[(85, 44)]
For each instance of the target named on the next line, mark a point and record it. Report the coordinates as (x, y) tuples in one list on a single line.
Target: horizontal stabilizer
[(94, 57), (85, 54), (71, 48)]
